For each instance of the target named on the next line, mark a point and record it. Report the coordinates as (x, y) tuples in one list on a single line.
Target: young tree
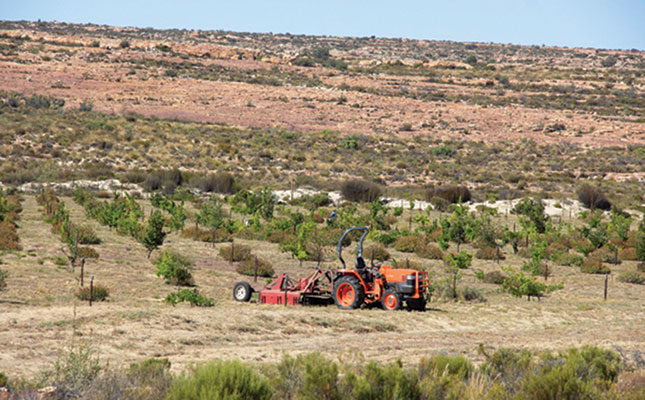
[(640, 242), (455, 262), (211, 216), (457, 228), (154, 235)]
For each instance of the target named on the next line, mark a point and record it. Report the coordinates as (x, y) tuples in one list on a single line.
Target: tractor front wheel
[(348, 293), (391, 300)]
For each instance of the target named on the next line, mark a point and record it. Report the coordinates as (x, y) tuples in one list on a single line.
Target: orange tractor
[(347, 288), (373, 284)]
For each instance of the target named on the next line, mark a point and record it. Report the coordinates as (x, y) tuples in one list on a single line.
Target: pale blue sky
[(577, 23)]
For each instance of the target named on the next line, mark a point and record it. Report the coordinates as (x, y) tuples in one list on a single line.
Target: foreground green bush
[(173, 267), (220, 380), (190, 296), (588, 372)]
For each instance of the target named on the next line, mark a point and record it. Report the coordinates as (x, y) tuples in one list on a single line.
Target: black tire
[(242, 291), (342, 297), (416, 304), (391, 300)]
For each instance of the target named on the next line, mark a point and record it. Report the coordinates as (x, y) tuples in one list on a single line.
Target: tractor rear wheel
[(242, 291), (391, 300), (348, 293)]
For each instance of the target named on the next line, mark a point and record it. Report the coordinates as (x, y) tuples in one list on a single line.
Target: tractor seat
[(359, 263)]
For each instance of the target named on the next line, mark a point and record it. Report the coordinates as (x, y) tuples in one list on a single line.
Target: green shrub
[(99, 293), (191, 296), (577, 374), (60, 260), (381, 382), (173, 267), (310, 376), (430, 251), (594, 266), (441, 365), (409, 243), (3, 379), (220, 380), (247, 267), (240, 252), (86, 235), (566, 259), (386, 238), (376, 252), (360, 191), (634, 277)]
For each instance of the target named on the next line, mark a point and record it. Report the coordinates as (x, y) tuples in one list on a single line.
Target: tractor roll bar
[(360, 242)]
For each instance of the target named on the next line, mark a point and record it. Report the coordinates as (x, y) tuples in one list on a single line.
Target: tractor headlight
[(410, 277)]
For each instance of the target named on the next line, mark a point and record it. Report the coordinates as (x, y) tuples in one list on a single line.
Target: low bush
[(471, 294), (439, 203), (605, 255), (247, 267), (191, 296), (628, 254), (451, 194), (87, 252), (566, 259), (360, 191), (220, 380), (430, 251), (280, 237), (205, 235), (409, 243), (239, 252), (99, 293), (376, 252), (635, 277), (221, 182), (409, 264), (442, 365), (489, 253), (86, 235), (495, 277), (174, 268), (594, 266), (592, 198)]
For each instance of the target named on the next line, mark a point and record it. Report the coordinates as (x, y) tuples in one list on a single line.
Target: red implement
[(314, 289)]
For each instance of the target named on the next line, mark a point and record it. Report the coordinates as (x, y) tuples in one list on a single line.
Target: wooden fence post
[(82, 270), (606, 280), (91, 289)]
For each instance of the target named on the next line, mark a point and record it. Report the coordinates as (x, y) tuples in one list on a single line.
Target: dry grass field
[(40, 316)]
